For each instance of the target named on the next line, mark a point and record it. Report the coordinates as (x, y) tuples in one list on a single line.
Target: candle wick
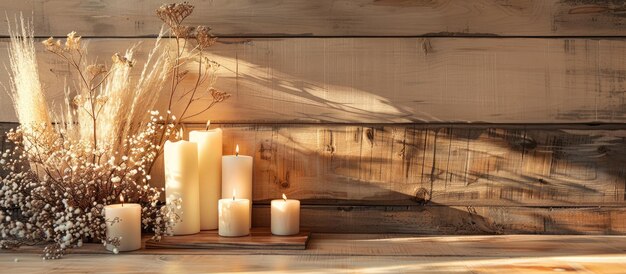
[(233, 198)]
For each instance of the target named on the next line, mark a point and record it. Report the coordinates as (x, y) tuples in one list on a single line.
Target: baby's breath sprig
[(62, 198)]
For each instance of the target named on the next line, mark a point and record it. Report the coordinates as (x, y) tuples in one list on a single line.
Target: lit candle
[(234, 217), (285, 214), (237, 176), (209, 143), (123, 221), (181, 182)]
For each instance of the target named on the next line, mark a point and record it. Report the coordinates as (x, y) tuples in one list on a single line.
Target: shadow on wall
[(400, 80), (415, 80), (440, 179)]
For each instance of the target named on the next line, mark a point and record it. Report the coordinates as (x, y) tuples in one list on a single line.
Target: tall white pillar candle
[(210, 174), (237, 176), (234, 217), (285, 215), (181, 182), (123, 221)]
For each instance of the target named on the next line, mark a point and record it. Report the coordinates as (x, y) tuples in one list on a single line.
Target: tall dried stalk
[(189, 51), (105, 139), (25, 87), (74, 171)]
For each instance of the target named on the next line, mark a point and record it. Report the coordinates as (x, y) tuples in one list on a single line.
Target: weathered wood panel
[(452, 165), (333, 18), (455, 220), (376, 80), (260, 238), (440, 179), (335, 244), (609, 262)]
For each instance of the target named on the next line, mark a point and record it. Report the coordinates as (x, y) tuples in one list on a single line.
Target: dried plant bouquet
[(68, 162)]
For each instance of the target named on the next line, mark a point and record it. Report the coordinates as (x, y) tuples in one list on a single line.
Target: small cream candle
[(181, 182), (285, 214), (210, 168), (234, 217), (237, 176), (123, 221)]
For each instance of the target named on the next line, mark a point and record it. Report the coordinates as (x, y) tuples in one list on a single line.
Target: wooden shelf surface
[(259, 238), (353, 253)]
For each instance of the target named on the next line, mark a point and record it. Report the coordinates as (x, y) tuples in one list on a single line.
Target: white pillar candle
[(210, 174), (181, 182), (237, 176), (234, 217), (123, 221), (285, 215)]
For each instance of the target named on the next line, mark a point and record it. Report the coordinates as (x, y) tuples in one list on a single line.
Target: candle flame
[(122, 199), (181, 133), (237, 150), (233, 194), (284, 197), (208, 124)]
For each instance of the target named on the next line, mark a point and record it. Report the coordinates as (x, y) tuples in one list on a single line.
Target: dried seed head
[(96, 69), (183, 31), (51, 45), (204, 37), (72, 42), (174, 14), (122, 60)]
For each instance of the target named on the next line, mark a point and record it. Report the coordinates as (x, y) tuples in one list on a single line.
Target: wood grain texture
[(333, 18), (601, 264), (399, 80), (259, 238), (456, 165), (439, 179), (391, 244), (456, 220), (349, 253)]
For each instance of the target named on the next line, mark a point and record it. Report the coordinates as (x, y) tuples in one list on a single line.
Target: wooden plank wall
[(435, 117)]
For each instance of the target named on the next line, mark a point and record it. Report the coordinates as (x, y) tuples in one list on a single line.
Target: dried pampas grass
[(25, 87), (69, 161)]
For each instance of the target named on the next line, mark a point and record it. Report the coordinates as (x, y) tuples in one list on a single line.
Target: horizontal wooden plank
[(457, 165), (332, 18), (400, 80), (455, 220), (347, 253), (391, 244), (438, 179), (441, 164), (313, 263), (260, 238)]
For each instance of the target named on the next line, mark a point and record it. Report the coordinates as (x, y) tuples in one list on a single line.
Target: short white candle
[(234, 217), (123, 221), (237, 176), (181, 182), (285, 214), (210, 168)]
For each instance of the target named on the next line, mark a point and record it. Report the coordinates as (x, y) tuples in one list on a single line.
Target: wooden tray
[(259, 238)]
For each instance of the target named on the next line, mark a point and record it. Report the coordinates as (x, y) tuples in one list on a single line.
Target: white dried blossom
[(66, 208), (56, 178)]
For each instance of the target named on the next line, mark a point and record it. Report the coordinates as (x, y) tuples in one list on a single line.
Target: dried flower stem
[(60, 176)]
